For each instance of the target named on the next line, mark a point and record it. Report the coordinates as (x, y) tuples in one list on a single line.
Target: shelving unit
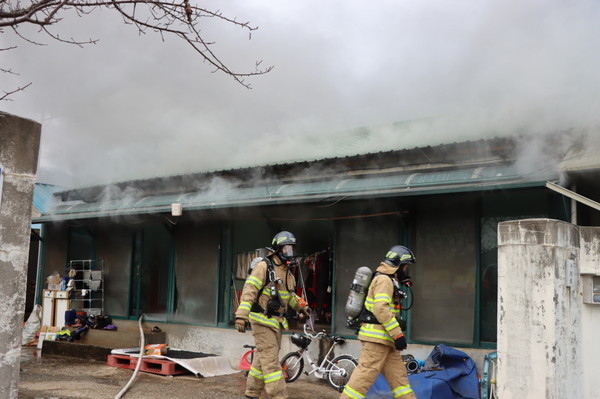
[(88, 292)]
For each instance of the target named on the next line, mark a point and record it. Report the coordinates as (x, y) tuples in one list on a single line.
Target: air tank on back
[(358, 292)]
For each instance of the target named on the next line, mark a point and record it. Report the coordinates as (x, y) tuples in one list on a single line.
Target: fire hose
[(139, 362)]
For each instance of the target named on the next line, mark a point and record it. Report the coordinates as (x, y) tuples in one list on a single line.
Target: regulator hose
[(139, 362)]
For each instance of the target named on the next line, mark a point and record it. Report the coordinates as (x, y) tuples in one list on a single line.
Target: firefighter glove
[(304, 313), (240, 325), (400, 342)]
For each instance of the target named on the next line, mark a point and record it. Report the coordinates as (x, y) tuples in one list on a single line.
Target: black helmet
[(399, 255), (282, 245)]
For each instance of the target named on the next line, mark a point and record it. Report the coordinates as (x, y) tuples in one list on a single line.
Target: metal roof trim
[(472, 179)]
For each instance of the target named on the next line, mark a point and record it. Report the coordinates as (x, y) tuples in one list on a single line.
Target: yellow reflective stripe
[(285, 295), (256, 373), (264, 320), (402, 390), (268, 321), (390, 325), (395, 311), (369, 304), (353, 393), (293, 301), (245, 305), (383, 298), (369, 330), (255, 281), (272, 377)]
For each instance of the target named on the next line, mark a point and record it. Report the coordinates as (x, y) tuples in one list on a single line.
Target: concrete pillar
[(590, 319), (19, 146), (539, 310)]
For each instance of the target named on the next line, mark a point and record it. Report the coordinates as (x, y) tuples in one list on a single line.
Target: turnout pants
[(266, 370), (374, 359)]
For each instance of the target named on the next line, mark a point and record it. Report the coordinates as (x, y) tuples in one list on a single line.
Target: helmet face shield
[(283, 245), (287, 251)]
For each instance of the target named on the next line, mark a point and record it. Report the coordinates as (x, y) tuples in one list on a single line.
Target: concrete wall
[(19, 146), (546, 346), (590, 317)]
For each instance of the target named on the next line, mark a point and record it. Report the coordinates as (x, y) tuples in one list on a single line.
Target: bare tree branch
[(7, 94), (179, 18)]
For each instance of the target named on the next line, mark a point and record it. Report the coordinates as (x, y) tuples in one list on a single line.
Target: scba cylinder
[(358, 292)]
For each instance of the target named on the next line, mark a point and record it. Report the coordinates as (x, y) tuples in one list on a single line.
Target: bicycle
[(246, 360), (337, 371)]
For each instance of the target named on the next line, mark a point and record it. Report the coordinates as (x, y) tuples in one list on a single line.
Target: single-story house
[(177, 248)]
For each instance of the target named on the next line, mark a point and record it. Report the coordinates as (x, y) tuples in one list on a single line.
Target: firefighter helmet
[(399, 255), (283, 245)]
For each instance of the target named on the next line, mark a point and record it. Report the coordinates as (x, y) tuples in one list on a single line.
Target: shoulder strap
[(268, 276)]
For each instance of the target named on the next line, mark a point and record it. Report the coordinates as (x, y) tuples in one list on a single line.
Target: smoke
[(345, 74)]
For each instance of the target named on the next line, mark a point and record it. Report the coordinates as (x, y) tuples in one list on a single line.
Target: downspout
[(39, 278), (574, 206)]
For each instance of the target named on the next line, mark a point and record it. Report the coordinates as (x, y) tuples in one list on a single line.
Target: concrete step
[(98, 344), (77, 350), (121, 339)]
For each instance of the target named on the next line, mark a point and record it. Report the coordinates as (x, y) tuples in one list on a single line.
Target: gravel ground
[(70, 378)]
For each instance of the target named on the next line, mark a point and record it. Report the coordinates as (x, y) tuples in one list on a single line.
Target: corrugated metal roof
[(43, 196), (443, 156), (224, 196)]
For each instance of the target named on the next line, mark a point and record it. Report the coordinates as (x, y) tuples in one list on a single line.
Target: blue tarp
[(447, 374), (380, 389)]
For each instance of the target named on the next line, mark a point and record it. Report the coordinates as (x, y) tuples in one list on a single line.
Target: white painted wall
[(590, 317), (546, 346)]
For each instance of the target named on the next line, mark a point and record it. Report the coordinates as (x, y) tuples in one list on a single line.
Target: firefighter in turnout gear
[(268, 291), (380, 334)]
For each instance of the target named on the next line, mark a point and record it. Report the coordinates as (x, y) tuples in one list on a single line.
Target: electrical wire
[(139, 362)]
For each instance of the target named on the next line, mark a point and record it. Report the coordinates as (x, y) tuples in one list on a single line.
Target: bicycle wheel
[(292, 365), (339, 371)]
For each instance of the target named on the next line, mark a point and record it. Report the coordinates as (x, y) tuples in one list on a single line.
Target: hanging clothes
[(242, 261)]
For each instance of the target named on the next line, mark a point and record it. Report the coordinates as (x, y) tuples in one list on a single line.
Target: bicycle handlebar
[(316, 335)]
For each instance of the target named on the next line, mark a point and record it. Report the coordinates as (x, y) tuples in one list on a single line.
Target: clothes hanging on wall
[(318, 284), (241, 262)]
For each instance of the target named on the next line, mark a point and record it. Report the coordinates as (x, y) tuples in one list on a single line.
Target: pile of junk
[(77, 324)]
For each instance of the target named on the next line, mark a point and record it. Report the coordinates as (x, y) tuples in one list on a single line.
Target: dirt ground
[(70, 378)]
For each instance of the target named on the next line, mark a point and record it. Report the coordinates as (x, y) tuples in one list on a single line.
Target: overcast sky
[(134, 106)]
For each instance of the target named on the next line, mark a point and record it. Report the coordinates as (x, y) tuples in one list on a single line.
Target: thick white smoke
[(135, 107)]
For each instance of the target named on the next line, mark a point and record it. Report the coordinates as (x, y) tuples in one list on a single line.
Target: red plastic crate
[(122, 361), (149, 365), (162, 367)]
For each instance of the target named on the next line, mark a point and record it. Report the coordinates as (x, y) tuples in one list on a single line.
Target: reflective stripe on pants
[(265, 372), (374, 359)]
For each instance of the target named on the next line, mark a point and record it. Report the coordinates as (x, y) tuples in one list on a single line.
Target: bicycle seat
[(339, 340), (301, 341), (250, 346)]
